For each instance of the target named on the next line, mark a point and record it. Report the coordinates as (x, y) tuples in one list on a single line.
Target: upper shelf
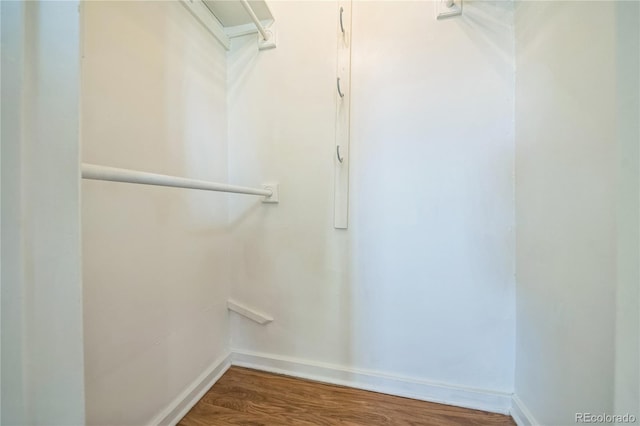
[(232, 14), (231, 18)]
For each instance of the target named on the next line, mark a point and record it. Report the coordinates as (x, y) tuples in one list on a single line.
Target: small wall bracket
[(248, 312), (275, 194), (269, 43), (448, 8)]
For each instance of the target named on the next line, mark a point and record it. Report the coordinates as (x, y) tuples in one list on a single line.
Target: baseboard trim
[(181, 405), (521, 414), (479, 399)]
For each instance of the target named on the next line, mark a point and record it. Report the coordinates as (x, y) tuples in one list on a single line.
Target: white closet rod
[(93, 171), (254, 18)]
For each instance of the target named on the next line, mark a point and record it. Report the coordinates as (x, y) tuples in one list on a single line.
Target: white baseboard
[(479, 399), (181, 405), (521, 414)]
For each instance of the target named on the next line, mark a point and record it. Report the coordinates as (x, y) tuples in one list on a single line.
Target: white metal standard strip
[(96, 172), (343, 105)]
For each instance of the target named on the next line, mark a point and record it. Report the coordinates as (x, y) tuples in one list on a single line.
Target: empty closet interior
[(429, 199)]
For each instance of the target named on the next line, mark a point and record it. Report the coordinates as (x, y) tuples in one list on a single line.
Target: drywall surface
[(627, 361), (421, 285), (155, 264), (41, 335), (576, 74)]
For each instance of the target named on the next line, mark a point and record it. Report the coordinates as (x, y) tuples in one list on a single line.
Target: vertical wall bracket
[(342, 90)]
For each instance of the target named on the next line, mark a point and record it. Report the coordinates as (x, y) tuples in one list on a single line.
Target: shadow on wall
[(486, 23)]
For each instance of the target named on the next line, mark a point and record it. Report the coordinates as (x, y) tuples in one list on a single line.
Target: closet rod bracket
[(269, 43), (275, 194), (448, 8)]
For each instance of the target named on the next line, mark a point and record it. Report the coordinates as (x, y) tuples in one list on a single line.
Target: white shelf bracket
[(226, 19), (248, 312), (448, 8), (266, 37)]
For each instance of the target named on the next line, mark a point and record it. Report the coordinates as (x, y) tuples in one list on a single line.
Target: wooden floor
[(249, 397)]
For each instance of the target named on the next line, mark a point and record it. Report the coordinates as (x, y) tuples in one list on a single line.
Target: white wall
[(420, 288), (627, 361), (422, 284), (576, 123), (41, 334), (155, 265)]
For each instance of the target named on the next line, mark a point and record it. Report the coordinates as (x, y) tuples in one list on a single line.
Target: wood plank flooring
[(248, 397)]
